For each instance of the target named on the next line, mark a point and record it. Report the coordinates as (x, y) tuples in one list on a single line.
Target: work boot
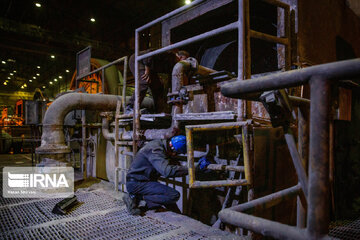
[(131, 204)]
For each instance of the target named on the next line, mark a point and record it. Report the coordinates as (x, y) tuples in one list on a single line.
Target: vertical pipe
[(136, 117), (247, 104), (124, 83), (241, 25), (190, 156), (318, 194), (116, 181), (288, 36), (103, 81), (246, 153), (303, 148), (83, 147)]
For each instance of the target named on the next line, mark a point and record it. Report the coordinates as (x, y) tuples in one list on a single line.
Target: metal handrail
[(190, 155)]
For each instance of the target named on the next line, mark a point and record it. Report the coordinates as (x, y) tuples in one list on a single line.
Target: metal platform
[(100, 215)]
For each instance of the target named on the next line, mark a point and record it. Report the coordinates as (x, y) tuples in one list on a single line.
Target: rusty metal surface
[(223, 115), (269, 200), (318, 195), (218, 183), (295, 156), (262, 226), (341, 22)]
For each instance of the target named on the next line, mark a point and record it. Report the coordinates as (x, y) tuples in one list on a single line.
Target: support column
[(318, 194)]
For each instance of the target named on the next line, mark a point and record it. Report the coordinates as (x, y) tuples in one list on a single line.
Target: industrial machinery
[(272, 175)]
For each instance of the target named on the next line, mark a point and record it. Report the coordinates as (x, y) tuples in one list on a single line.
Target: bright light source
[(14, 71), (43, 86), (38, 5), (5, 83), (50, 83), (11, 74), (38, 74), (60, 77), (25, 85), (9, 77), (52, 56), (38, 66), (92, 19), (55, 80), (187, 2), (30, 80), (22, 87), (3, 62), (34, 77), (67, 71)]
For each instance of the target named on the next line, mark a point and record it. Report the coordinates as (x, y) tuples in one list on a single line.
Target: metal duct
[(52, 139)]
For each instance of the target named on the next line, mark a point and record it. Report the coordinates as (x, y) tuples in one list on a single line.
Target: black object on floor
[(65, 205)]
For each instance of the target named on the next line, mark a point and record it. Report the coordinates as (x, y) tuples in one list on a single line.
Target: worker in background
[(148, 72), (151, 162)]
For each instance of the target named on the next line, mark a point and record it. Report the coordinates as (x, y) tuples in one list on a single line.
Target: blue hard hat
[(179, 143)]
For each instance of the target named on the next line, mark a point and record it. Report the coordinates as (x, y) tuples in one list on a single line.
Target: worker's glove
[(203, 163)]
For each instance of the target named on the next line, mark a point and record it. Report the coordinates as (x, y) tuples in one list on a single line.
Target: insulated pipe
[(347, 69), (52, 139)]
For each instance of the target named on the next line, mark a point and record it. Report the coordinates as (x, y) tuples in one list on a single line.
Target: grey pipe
[(52, 139), (347, 69), (105, 130)]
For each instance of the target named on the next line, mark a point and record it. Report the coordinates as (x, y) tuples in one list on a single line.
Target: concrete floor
[(101, 214)]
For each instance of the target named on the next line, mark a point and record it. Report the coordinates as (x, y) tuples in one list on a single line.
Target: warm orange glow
[(92, 84)]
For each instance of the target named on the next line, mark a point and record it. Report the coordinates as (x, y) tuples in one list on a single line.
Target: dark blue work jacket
[(151, 162)]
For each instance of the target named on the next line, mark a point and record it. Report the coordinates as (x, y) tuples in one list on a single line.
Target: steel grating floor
[(101, 215), (347, 230)]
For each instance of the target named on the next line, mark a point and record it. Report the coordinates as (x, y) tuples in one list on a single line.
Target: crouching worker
[(151, 162)]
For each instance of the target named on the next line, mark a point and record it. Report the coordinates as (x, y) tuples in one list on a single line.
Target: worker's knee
[(174, 196)]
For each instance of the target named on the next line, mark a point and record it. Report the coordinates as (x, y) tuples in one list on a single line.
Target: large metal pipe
[(347, 69), (318, 193), (260, 225), (52, 139), (268, 201)]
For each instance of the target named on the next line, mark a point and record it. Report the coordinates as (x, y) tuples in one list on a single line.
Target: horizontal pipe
[(277, 3), (347, 69), (268, 201), (221, 167), (261, 225), (299, 101), (170, 14), (218, 183), (52, 139), (268, 37), (229, 27), (217, 126)]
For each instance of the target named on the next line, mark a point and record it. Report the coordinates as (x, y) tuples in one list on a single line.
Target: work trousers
[(154, 193), (155, 85)]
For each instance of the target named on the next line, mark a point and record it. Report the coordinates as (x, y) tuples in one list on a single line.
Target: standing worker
[(148, 72), (151, 162)]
